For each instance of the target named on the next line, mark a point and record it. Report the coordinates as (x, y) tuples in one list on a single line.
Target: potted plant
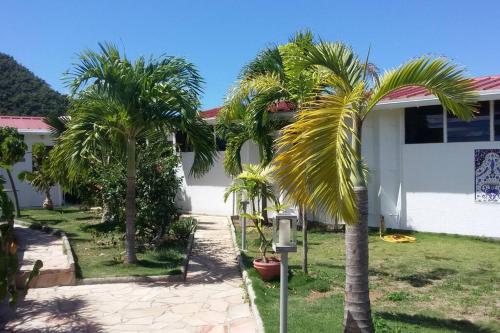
[(254, 182)]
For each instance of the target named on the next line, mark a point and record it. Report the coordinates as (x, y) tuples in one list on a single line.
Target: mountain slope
[(24, 94)]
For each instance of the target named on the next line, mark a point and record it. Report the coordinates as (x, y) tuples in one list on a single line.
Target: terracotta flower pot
[(267, 270)]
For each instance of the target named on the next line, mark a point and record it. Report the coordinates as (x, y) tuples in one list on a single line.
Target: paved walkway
[(212, 299)]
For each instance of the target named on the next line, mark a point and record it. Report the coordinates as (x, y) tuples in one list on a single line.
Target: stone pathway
[(211, 300), (58, 266)]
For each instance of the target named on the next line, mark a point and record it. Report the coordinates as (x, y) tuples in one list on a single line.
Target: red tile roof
[(479, 83), (212, 113), (279, 107), (24, 123)]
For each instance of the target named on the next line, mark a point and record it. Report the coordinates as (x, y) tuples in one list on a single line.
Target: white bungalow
[(34, 130), (429, 170)]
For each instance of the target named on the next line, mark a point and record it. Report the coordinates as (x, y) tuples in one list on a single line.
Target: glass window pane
[(497, 120), (424, 124), (478, 129)]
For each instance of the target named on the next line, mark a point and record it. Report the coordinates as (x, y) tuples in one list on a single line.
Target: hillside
[(22, 93)]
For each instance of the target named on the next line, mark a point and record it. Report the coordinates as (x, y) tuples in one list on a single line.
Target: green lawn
[(95, 256), (441, 283)]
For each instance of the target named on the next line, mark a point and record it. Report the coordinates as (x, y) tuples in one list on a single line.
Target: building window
[(424, 124), (478, 129), (496, 118), (182, 142)]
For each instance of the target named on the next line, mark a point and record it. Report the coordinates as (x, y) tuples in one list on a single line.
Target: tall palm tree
[(269, 83), (117, 102), (322, 148)]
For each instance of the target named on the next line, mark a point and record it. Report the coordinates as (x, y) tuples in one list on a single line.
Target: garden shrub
[(157, 186), (183, 228)]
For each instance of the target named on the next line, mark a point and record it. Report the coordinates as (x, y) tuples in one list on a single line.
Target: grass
[(96, 256), (441, 283)]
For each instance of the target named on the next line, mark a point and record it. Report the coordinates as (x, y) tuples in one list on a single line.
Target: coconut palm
[(117, 102), (321, 150)]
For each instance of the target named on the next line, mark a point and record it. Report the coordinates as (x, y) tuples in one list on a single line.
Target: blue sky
[(221, 36)]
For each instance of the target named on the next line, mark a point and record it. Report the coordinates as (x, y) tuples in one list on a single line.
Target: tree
[(270, 83), (40, 178), (322, 148), (255, 181), (117, 102), (12, 150)]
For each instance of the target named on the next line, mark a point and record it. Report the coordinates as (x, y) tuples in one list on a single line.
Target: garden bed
[(441, 283), (98, 248)]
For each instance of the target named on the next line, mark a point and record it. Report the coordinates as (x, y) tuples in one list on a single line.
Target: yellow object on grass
[(398, 238)]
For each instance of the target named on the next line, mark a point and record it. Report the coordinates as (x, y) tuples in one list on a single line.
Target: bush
[(156, 189), (183, 228)]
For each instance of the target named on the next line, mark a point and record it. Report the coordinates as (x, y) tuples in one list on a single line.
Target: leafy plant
[(183, 228), (12, 150), (40, 178), (254, 182)]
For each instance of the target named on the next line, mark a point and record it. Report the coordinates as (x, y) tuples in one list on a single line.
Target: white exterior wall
[(425, 187), (205, 195), (28, 196)]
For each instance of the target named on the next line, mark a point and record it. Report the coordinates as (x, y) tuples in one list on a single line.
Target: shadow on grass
[(464, 326), (419, 279), (424, 279)]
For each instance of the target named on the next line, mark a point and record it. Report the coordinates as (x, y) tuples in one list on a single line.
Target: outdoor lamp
[(284, 241), (285, 233)]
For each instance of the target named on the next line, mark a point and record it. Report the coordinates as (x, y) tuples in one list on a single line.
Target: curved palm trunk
[(130, 208), (357, 312), (14, 190)]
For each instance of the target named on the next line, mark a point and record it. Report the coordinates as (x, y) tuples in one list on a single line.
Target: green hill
[(24, 94)]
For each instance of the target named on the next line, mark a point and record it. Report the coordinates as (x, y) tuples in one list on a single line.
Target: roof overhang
[(429, 100)]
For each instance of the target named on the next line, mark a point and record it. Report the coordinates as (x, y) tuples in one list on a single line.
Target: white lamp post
[(244, 204), (284, 241)]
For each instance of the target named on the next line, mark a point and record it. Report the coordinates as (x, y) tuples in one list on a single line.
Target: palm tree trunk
[(357, 309), (47, 203), (130, 208), (305, 246), (357, 312), (14, 191)]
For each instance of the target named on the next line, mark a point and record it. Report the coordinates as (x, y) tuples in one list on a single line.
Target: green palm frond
[(438, 75), (315, 159), (115, 100)]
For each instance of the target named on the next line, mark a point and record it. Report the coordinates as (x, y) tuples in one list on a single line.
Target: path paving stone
[(211, 300)]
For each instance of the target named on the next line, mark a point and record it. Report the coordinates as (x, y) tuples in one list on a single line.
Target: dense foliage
[(22, 93), (157, 185), (12, 150)]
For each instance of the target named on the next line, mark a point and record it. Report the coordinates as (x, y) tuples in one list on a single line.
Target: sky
[(220, 37)]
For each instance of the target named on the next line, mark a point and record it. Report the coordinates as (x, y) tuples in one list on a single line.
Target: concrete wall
[(28, 196), (205, 195), (426, 187)]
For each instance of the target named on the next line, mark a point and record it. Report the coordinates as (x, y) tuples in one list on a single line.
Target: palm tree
[(40, 178), (270, 83), (322, 148), (255, 181), (117, 103)]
